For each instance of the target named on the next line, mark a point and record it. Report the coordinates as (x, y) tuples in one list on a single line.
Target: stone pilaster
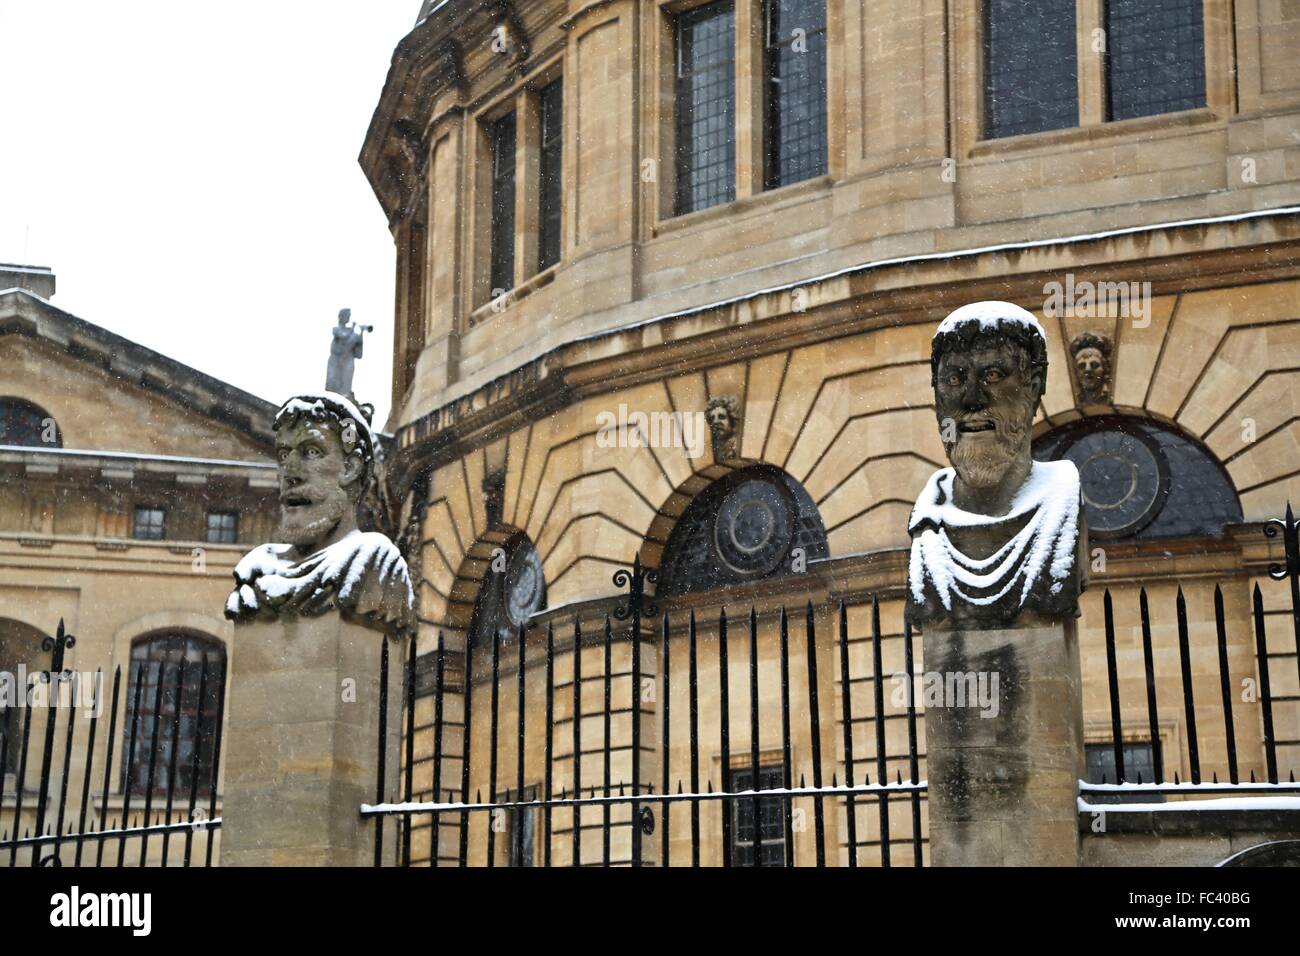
[(303, 742)]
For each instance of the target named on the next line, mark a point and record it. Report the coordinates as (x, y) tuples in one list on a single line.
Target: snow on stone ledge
[(1216, 803)]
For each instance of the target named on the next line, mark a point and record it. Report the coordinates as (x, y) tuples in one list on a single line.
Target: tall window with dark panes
[(1031, 72), (795, 69), (502, 135), (9, 738), (549, 176), (1155, 57), (188, 719), (706, 107), (770, 822)]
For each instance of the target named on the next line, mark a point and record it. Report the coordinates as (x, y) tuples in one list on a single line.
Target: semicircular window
[(742, 528), (22, 423), (513, 590), (1142, 479)]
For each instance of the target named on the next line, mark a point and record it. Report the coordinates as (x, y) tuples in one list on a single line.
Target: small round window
[(742, 528), (513, 590), (1142, 479)]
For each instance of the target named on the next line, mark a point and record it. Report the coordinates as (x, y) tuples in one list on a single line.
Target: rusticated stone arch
[(774, 523), (473, 584)]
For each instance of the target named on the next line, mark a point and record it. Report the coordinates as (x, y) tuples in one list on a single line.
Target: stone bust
[(723, 415), (1092, 367), (326, 454), (996, 534)]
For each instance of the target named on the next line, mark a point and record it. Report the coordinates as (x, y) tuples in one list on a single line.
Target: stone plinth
[(1003, 782), (302, 742)]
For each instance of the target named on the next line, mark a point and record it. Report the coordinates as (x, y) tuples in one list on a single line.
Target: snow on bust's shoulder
[(988, 314), (264, 559), (1056, 480)]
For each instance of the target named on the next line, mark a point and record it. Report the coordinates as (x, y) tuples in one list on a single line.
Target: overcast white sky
[(189, 171)]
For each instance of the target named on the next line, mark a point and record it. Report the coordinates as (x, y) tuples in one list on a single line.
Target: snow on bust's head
[(318, 405), (989, 315)]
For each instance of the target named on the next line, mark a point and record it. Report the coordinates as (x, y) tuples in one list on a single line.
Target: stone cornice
[(873, 295)]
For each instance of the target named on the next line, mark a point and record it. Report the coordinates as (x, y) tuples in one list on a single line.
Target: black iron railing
[(171, 827), (1132, 785), (682, 782)]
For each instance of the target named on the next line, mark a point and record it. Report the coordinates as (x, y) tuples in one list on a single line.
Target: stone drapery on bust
[(997, 534), (326, 456)]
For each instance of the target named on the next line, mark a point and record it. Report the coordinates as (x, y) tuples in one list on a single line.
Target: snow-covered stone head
[(326, 453), (988, 366)]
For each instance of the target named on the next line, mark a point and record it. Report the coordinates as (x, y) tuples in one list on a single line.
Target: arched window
[(513, 589), (1142, 479), (22, 423), (20, 644), (158, 660), (742, 528)]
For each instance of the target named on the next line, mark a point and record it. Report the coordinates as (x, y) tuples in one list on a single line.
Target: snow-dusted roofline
[(136, 456), (183, 384)]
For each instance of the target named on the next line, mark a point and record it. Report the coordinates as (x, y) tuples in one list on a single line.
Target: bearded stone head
[(325, 454), (988, 367), (1092, 366), (721, 414)]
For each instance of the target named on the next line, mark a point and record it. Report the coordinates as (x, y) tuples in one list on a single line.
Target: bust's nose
[(974, 398)]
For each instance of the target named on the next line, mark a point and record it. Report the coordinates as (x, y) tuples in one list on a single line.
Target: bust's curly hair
[(971, 336), (1091, 340), (729, 402)]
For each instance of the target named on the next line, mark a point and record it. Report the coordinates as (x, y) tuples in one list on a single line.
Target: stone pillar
[(302, 742), (1003, 786)]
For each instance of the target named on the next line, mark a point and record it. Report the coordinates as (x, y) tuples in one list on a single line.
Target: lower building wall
[(1190, 837)]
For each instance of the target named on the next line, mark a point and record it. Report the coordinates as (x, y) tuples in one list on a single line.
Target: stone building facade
[(130, 485), (615, 219)]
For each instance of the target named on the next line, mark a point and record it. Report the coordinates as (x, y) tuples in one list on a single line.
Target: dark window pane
[(548, 227), (10, 731), (223, 527), (1030, 67), (159, 659), (706, 107), (1139, 764), (503, 204), (740, 529), (150, 524), (22, 423), (522, 832), (771, 819), (1155, 57), (796, 91)]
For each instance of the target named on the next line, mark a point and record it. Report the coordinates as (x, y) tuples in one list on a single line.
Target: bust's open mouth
[(976, 425), (295, 501)]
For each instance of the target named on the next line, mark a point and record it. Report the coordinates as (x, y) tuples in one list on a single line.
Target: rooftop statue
[(326, 454), (997, 534), (345, 349)]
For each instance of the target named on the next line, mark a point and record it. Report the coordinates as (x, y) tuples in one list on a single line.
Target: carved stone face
[(1091, 366), (985, 406), (720, 421), (316, 481)]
